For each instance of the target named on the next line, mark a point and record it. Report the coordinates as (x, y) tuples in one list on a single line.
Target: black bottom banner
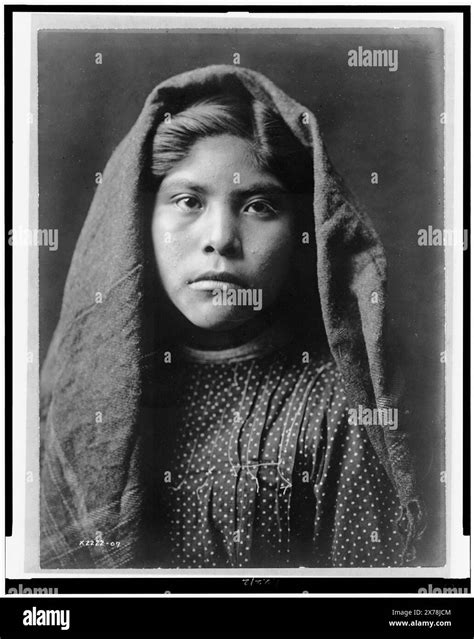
[(156, 616)]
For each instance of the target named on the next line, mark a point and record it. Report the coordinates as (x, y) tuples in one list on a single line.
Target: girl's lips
[(212, 285)]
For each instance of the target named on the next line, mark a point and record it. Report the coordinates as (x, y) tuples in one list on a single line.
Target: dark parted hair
[(274, 147)]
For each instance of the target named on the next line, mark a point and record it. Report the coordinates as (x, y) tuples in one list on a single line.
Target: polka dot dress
[(264, 469)]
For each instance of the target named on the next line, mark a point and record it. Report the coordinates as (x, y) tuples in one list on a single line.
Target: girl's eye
[(260, 208), (188, 204)]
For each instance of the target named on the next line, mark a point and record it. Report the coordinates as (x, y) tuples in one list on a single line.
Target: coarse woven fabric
[(91, 383)]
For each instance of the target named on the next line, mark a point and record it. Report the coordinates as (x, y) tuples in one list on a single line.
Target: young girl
[(223, 331)]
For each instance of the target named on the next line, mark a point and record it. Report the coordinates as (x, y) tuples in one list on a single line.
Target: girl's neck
[(273, 337), (203, 339)]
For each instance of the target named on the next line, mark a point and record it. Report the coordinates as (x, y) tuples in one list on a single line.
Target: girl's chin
[(220, 322)]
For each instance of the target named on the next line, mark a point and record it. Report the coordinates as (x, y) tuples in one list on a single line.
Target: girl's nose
[(221, 232)]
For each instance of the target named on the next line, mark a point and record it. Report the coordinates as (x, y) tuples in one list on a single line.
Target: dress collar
[(272, 338)]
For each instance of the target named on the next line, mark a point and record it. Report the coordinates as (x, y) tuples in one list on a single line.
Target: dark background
[(371, 120)]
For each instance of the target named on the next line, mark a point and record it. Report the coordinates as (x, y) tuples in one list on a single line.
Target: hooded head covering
[(91, 383)]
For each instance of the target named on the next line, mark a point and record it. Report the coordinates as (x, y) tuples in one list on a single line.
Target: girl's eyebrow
[(181, 183), (262, 187)]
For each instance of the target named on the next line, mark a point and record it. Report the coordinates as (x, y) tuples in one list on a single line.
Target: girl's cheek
[(278, 251), (170, 256), (173, 251)]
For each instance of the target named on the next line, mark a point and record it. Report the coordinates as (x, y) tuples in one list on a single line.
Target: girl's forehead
[(220, 151), (223, 161)]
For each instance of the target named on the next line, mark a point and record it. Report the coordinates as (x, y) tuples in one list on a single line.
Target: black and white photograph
[(223, 388), (243, 331)]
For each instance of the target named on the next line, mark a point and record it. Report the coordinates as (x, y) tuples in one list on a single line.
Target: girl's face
[(223, 234)]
